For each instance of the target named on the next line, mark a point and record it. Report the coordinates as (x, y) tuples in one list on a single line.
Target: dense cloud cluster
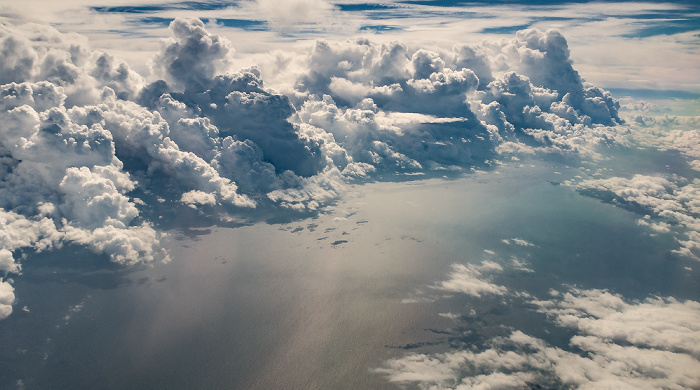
[(511, 96), (90, 150)]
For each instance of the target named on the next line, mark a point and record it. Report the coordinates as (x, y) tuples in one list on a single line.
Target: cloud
[(19, 60), (19, 232), (616, 343), (664, 202), (521, 265), (89, 148), (469, 279), (517, 241), (544, 58), (394, 141), (87, 144), (7, 298), (669, 132), (196, 82), (92, 198), (292, 14), (36, 52), (192, 57), (311, 192), (396, 78), (509, 97), (656, 323)]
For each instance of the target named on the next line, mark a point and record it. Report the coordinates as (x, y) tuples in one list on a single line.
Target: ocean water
[(322, 302)]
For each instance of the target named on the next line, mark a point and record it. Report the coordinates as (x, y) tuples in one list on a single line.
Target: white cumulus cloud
[(90, 149), (616, 344)]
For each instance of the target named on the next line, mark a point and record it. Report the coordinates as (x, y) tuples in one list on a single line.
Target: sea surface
[(322, 302)]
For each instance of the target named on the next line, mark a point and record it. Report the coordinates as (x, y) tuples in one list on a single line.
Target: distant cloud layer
[(613, 343), (665, 203), (90, 148)]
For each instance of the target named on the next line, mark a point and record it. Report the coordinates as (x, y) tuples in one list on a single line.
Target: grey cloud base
[(89, 148)]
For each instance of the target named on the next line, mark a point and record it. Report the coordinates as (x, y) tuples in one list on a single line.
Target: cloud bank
[(666, 203), (91, 151), (615, 343)]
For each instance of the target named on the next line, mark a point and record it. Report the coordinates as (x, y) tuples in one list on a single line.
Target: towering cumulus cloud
[(90, 149), (237, 104)]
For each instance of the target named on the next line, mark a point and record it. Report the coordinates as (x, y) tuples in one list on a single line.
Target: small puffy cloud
[(348, 90), (686, 142), (18, 231), (451, 316), (196, 197), (470, 279), (653, 192), (517, 241), (7, 261), (93, 199), (521, 265), (7, 298), (128, 246), (661, 227)]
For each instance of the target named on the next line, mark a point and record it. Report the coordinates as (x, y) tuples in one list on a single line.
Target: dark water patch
[(244, 24), (666, 27), (417, 345), (184, 5), (365, 6), (380, 28), (509, 30), (654, 93)]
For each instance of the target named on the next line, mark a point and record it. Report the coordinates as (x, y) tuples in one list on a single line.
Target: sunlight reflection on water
[(319, 303)]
